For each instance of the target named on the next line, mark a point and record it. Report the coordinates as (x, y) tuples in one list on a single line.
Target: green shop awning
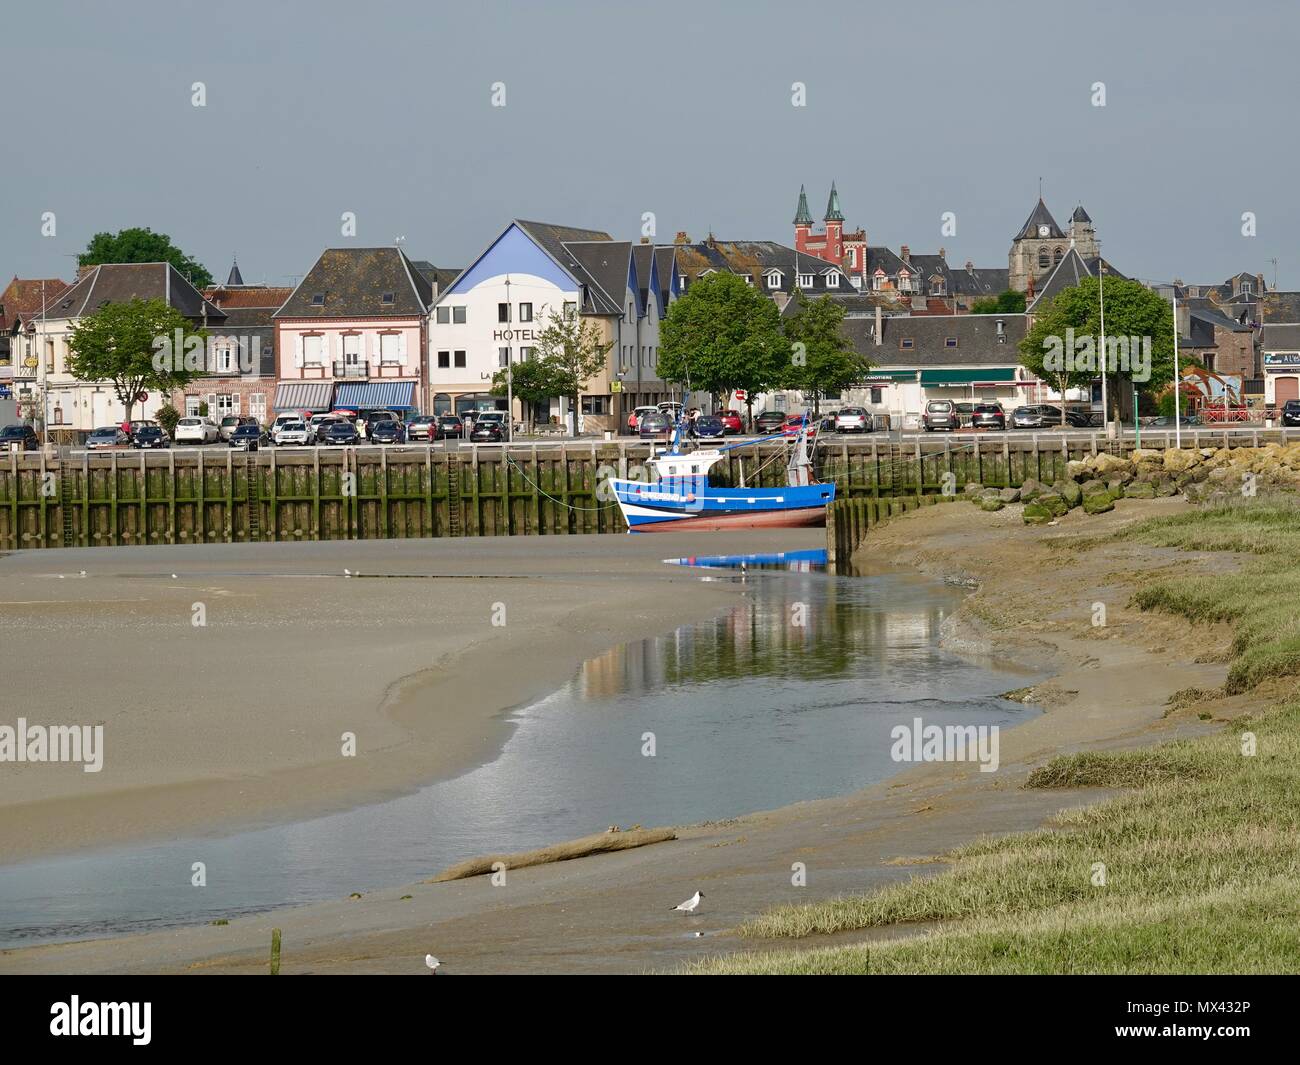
[(990, 375), (888, 376)]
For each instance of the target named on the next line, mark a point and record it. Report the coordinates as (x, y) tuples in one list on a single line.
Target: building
[(21, 304), (492, 314), (72, 405), (1041, 245), (352, 334), (241, 377), (775, 269), (1280, 358)]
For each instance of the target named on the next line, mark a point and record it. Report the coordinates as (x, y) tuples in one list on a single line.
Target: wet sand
[(611, 913)]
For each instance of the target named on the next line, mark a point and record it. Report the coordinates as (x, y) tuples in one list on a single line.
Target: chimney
[(905, 253), (970, 267), (681, 237), (879, 325), (943, 252), (645, 240)]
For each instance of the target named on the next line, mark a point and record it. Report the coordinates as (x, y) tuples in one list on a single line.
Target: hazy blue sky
[(684, 109)]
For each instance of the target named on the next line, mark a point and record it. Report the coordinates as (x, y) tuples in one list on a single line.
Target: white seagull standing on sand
[(691, 904), (432, 963)]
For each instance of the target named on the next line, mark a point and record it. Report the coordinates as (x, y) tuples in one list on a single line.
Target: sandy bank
[(610, 913)]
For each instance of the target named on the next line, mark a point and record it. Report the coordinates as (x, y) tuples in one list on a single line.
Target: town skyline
[(412, 144)]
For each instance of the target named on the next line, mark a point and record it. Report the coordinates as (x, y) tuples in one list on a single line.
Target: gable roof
[(756, 259), (247, 296), (607, 263), (353, 282), (1280, 337), (1040, 216), (123, 282), (23, 299), (555, 241), (440, 277), (1072, 269), (978, 340)]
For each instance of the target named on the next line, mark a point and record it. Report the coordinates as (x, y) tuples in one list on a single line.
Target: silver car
[(853, 420)]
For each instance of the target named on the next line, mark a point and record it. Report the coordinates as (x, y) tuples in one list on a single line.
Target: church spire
[(235, 278), (803, 216), (833, 212)]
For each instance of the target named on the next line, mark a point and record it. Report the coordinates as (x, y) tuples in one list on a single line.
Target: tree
[(143, 246), (723, 335), (571, 351), (1065, 348), (118, 344), (1008, 302), (168, 416), (821, 358), (532, 384)]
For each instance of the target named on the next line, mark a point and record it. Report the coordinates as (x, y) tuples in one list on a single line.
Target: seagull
[(174, 576), (82, 573), (690, 905), (347, 572), (432, 963)]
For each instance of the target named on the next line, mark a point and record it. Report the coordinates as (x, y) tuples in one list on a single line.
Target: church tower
[(1036, 249), (1083, 235), (834, 228), (802, 222)]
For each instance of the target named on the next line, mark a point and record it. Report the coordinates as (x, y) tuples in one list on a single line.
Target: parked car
[(339, 431), (708, 426), (422, 427), (795, 422), (387, 431), (770, 421), (1291, 412), (291, 433), (107, 436), (988, 416), (18, 438), (196, 430), (150, 436), (965, 412), (853, 420), (498, 416), (1035, 416), (285, 418), (450, 427), (633, 418), (248, 437), (732, 424), (231, 422), (1082, 419), (654, 425), (319, 423), (940, 414), (368, 419), (488, 430), (671, 408)]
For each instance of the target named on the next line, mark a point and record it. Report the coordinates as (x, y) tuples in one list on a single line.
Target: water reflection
[(788, 696)]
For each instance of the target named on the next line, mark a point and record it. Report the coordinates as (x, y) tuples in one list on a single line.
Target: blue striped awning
[(375, 395)]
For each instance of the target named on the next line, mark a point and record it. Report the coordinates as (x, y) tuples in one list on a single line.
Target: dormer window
[(318, 299), (832, 280), (949, 342), (774, 279), (386, 299), (805, 280), (907, 344)]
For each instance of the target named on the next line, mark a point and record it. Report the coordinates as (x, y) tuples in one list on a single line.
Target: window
[(444, 315), (257, 405), (503, 357), (906, 344), (386, 299), (949, 342), (460, 360), (749, 280), (570, 311), (877, 280), (1247, 286), (444, 360), (318, 299), (1044, 261), (458, 315), (192, 404), (390, 347), (904, 281), (503, 312), (832, 280), (595, 404), (774, 279), (525, 312), (1057, 256), (805, 280), (877, 394), (937, 286), (525, 354), (312, 349), (225, 355), (49, 356)]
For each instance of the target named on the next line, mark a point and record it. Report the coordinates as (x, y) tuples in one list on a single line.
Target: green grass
[(1201, 854)]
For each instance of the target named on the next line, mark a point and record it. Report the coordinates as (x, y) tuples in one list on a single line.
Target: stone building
[(1041, 245)]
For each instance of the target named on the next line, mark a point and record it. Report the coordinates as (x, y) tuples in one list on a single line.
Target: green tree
[(821, 358), (532, 384), (723, 335), (571, 351), (1008, 302), (119, 342), (1138, 322), (143, 246), (168, 416)]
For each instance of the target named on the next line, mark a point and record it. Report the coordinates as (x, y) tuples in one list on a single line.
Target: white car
[(195, 431), (284, 419), (291, 433)]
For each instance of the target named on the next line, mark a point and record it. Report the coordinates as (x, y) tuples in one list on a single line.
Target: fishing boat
[(678, 497)]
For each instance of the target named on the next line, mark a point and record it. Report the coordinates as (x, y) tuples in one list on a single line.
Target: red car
[(731, 423), (794, 422)]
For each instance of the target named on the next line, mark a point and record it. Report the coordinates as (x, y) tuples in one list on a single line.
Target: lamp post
[(1178, 422), (1101, 292)]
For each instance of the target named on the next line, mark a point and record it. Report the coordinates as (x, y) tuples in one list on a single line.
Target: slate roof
[(1072, 269), (978, 342), (437, 276), (235, 278), (855, 304), (123, 282), (250, 322), (755, 258), (554, 240), (981, 281), (1280, 337), (665, 256), (644, 256), (1279, 307), (606, 262), (802, 216), (354, 281), (1080, 215), (1040, 215)]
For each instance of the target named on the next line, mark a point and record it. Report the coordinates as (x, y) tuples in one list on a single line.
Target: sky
[(684, 110)]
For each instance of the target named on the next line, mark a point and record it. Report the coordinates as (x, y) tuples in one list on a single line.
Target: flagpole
[(1178, 421), (1101, 291)]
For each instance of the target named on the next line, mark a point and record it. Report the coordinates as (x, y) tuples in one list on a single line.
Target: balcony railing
[(353, 370)]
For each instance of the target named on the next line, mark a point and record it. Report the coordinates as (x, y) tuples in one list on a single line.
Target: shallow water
[(789, 696)]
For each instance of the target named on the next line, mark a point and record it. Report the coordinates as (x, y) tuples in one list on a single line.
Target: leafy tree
[(571, 351), (1009, 302), (723, 335), (1063, 347), (143, 246), (118, 344), (168, 416), (821, 358), (532, 383)]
